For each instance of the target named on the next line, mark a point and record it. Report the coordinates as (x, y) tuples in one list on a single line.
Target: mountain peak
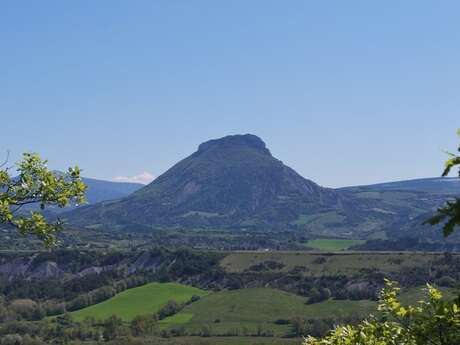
[(235, 141), (228, 183)]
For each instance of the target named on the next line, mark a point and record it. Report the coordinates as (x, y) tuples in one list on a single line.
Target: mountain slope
[(229, 182)]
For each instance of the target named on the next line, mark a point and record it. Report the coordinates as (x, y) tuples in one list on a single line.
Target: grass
[(142, 300), (177, 319), (245, 310), (190, 340), (332, 244)]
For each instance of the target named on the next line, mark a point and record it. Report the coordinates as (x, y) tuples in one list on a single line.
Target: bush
[(320, 295), (195, 298), (171, 308), (313, 296)]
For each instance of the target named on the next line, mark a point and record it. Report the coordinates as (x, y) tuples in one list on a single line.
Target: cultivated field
[(321, 264)]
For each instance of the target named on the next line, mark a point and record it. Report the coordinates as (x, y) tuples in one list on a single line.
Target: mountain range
[(100, 190), (97, 191), (235, 183)]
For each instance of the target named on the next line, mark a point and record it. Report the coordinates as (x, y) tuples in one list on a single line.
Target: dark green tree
[(314, 296), (34, 183), (112, 327), (143, 325)]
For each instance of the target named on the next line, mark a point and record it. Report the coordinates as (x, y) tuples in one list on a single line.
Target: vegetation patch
[(177, 319), (333, 244)]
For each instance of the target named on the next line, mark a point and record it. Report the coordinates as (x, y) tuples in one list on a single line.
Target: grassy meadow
[(146, 299), (244, 311)]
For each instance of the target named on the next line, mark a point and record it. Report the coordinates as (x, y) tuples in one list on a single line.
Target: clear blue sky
[(345, 92)]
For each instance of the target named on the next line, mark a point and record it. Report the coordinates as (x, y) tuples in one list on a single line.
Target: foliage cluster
[(433, 321), (36, 184), (449, 215)]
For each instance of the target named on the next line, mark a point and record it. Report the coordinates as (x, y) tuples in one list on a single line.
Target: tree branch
[(6, 159)]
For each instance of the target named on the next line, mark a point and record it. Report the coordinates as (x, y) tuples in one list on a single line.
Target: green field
[(146, 299), (240, 313), (332, 244), (245, 310)]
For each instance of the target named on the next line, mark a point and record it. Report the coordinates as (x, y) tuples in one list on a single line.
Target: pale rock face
[(27, 267)]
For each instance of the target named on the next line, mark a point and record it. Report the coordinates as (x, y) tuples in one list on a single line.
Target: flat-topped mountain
[(235, 183), (231, 182), (232, 176)]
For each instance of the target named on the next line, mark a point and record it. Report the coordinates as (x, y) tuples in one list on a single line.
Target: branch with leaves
[(449, 215), (35, 184)]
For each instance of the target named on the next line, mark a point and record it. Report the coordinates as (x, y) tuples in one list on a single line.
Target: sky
[(345, 92)]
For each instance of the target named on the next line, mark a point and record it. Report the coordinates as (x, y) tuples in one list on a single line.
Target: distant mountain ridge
[(97, 191), (438, 185), (102, 190)]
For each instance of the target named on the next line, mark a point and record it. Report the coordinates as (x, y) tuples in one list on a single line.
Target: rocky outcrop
[(32, 267), (146, 262), (46, 270)]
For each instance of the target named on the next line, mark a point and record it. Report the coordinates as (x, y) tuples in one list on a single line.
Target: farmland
[(320, 264)]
